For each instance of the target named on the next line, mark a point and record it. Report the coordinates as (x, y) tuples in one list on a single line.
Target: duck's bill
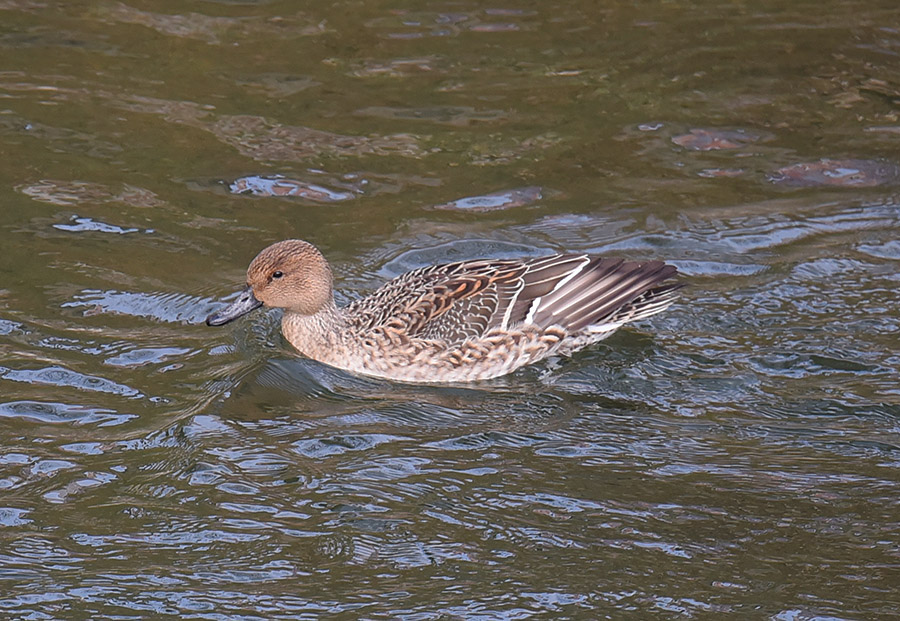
[(245, 303)]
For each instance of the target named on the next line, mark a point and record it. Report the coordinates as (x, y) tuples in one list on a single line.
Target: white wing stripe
[(511, 303), (537, 301), (621, 289)]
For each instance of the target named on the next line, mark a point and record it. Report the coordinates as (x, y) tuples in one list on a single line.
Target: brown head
[(290, 274)]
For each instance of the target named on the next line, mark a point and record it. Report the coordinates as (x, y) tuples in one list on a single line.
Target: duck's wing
[(449, 303), (458, 301)]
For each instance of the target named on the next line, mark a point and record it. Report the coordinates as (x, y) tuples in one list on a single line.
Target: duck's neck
[(315, 335)]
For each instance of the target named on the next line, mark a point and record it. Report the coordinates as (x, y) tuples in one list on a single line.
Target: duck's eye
[(278, 274)]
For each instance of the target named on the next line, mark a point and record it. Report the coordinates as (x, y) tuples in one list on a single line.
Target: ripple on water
[(61, 140), (887, 250), (448, 115), (145, 355), (60, 376), (746, 234), (209, 28), (84, 448), (66, 193), (409, 554), (391, 468), (487, 439), (308, 380), (168, 307), (418, 24), (85, 225), (838, 173), (318, 448), (718, 268), (495, 201), (574, 232), (169, 540), (276, 84), (699, 139), (8, 327), (278, 185), (10, 516), (47, 412), (456, 250), (797, 364), (391, 68), (266, 140)]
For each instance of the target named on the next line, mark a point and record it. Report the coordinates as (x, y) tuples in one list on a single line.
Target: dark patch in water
[(495, 201), (837, 173), (280, 186), (716, 139)]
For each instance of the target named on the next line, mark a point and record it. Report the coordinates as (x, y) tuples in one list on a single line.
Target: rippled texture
[(738, 455)]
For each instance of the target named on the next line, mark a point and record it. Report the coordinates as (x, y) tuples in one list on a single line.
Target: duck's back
[(484, 318)]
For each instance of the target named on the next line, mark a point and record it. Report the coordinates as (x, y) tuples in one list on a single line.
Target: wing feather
[(465, 300)]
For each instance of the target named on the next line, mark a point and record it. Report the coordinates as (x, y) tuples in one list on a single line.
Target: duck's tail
[(607, 291)]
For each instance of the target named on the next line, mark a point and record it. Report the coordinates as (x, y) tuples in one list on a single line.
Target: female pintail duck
[(462, 321)]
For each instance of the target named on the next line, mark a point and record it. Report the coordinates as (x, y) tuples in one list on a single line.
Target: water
[(738, 455)]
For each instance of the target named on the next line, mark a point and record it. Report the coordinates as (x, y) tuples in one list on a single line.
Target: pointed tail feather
[(649, 303), (608, 291)]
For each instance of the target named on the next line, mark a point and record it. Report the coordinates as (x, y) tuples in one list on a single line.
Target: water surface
[(738, 455)]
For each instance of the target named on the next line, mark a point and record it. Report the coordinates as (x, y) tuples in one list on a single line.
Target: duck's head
[(291, 274)]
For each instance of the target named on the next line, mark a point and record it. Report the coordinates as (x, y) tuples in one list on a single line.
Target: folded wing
[(465, 300)]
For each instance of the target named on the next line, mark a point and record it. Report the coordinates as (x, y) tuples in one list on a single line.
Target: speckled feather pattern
[(476, 320)]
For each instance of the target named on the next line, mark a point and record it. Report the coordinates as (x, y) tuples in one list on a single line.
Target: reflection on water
[(213, 29), (842, 173), (735, 456), (518, 197), (66, 193), (279, 186)]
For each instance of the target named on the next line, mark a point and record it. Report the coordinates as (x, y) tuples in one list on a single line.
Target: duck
[(454, 322)]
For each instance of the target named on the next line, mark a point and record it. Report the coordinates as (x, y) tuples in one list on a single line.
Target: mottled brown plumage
[(460, 321)]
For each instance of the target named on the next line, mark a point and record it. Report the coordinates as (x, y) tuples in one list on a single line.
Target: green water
[(737, 456)]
